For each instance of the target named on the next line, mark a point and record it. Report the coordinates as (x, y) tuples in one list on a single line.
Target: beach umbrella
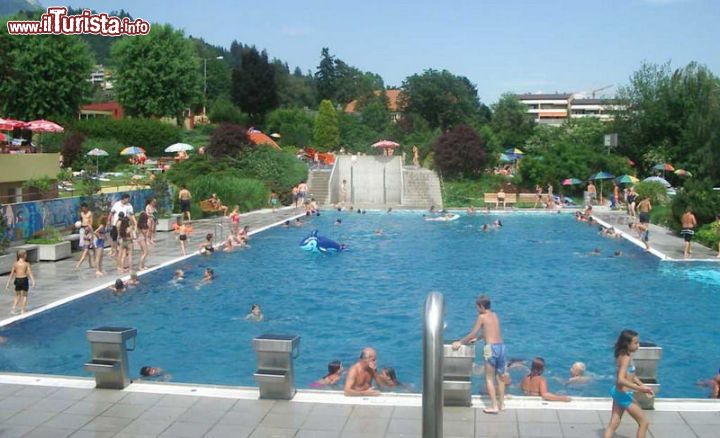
[(626, 179), (385, 144), (97, 153), (602, 176), (662, 181), (515, 151), (43, 126), (571, 181), (179, 147), (132, 150), (683, 172), (664, 166), (10, 124)]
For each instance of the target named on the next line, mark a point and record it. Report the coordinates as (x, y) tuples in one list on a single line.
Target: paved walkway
[(76, 410), (664, 243), (60, 280)]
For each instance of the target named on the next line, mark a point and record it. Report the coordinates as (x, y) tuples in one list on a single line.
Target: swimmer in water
[(119, 286), (379, 232), (595, 251), (577, 374), (286, 224), (333, 376), (338, 222), (179, 275), (255, 313), (208, 275)]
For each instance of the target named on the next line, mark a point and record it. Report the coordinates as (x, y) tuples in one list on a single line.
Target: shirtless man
[(185, 197), (494, 351), (644, 207), (689, 223), (538, 192), (500, 198), (302, 192), (359, 379), (592, 191)]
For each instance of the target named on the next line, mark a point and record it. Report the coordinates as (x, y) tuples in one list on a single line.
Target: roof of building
[(543, 96), (596, 102), (392, 95)]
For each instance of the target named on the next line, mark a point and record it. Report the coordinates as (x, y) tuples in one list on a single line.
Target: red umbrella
[(44, 126), (10, 124), (385, 144)]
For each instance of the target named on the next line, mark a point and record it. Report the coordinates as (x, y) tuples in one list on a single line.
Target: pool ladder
[(432, 396)]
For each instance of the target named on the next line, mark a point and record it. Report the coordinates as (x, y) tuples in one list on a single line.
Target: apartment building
[(556, 108)]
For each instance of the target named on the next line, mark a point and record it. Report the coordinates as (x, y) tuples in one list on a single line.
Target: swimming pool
[(554, 300)]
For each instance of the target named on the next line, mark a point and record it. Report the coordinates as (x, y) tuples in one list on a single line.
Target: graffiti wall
[(25, 219)]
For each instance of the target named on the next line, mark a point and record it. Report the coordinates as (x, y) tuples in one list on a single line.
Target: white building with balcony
[(554, 109)]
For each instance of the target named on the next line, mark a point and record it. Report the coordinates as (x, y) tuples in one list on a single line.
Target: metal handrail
[(432, 397)]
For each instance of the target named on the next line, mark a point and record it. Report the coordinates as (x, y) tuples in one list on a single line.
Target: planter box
[(53, 252), (6, 263), (166, 223)]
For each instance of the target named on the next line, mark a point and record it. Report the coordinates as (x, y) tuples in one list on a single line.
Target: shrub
[(89, 186), (105, 163), (248, 194), (47, 236), (152, 135), (228, 140), (161, 191), (295, 125), (195, 166), (72, 150), (460, 152), (653, 190), (279, 170), (41, 184), (701, 198), (223, 111), (709, 235)]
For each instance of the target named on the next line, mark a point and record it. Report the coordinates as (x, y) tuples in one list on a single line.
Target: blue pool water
[(554, 300)]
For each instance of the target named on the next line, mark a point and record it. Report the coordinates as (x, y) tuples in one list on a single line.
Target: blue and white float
[(316, 243)]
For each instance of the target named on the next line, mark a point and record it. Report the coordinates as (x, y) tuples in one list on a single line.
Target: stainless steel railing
[(432, 397)]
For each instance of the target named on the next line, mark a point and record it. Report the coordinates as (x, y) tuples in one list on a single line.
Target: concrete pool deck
[(663, 243), (59, 282), (42, 406)]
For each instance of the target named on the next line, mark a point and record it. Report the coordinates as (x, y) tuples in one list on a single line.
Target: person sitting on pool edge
[(361, 375), (535, 384), (333, 376)]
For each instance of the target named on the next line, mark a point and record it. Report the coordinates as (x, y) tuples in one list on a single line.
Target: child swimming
[(333, 376), (255, 313)]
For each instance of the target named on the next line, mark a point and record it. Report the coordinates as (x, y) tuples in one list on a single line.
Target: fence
[(25, 219)]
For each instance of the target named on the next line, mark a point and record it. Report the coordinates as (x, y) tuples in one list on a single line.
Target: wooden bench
[(491, 198)]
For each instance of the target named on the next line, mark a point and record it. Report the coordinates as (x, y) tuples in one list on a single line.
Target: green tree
[(674, 116), (294, 90), (460, 152), (511, 122), (223, 111), (326, 75), (375, 114), (253, 85), (440, 97), (294, 124), (326, 134), (45, 76), (157, 74)]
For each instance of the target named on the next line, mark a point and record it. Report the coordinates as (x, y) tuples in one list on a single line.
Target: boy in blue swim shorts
[(494, 352)]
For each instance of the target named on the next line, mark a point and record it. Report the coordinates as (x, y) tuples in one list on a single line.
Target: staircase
[(421, 188), (318, 185)]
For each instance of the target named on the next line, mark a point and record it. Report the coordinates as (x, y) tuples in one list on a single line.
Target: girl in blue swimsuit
[(622, 392)]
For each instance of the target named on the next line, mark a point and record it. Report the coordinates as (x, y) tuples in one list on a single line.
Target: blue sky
[(500, 45)]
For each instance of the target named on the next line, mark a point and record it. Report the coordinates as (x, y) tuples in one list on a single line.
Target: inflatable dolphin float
[(316, 243)]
